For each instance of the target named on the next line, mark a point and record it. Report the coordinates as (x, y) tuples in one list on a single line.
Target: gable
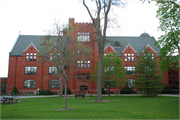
[(128, 47), (109, 49), (148, 46), (31, 46)]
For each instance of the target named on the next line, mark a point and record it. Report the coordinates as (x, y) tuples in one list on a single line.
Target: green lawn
[(121, 107)]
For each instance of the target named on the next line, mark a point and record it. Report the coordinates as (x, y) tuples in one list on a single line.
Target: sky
[(33, 17)]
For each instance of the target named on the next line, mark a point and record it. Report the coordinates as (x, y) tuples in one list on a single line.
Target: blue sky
[(32, 17)]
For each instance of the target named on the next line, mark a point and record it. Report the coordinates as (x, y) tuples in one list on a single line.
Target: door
[(83, 89)]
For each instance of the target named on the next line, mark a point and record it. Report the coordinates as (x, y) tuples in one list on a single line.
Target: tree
[(15, 91), (149, 80), (62, 49), (113, 72), (168, 14), (102, 10)]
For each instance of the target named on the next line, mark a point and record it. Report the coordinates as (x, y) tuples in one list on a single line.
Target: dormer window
[(128, 57), (27, 56), (125, 57), (31, 56), (34, 56), (83, 36), (50, 56)]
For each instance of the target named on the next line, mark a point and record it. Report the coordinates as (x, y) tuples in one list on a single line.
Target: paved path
[(36, 96)]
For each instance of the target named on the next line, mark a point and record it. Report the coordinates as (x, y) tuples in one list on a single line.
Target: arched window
[(130, 83), (53, 83), (30, 83)]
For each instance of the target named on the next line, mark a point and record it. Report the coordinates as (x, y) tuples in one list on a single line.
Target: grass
[(121, 107)]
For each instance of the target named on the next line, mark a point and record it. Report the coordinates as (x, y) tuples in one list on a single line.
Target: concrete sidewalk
[(37, 96)]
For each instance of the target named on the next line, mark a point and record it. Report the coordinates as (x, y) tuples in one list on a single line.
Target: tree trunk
[(60, 85), (109, 85), (65, 96), (120, 90), (100, 66)]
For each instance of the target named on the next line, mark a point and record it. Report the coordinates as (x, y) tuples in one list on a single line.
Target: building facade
[(28, 74)]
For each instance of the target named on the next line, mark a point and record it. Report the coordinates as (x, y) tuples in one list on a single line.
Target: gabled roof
[(23, 43), (137, 43)]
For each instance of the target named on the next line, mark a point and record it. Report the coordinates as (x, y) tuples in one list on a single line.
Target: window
[(31, 56), (128, 57), (4, 86), (152, 56), (83, 64), (30, 70), (132, 57), (34, 56), (83, 36), (79, 75), (58, 56), (129, 69), (78, 52), (130, 83), (29, 83), (107, 69), (125, 57), (109, 83), (88, 64), (50, 57), (78, 63), (27, 56), (52, 70), (88, 76), (83, 76), (53, 83)]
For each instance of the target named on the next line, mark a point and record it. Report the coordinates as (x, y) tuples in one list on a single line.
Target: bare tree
[(63, 50), (102, 11)]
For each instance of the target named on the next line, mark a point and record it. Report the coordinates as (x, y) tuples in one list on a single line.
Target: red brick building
[(28, 75)]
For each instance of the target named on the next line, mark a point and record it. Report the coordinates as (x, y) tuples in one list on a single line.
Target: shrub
[(127, 90), (45, 92), (68, 91), (15, 91), (167, 90)]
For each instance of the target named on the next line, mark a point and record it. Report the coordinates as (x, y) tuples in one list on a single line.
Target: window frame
[(30, 70), (29, 83)]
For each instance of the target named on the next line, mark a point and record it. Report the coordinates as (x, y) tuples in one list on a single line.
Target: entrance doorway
[(83, 89)]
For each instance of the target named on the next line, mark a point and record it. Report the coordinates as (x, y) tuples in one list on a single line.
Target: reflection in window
[(130, 83), (129, 69), (125, 57), (79, 75), (83, 36), (83, 76), (88, 76), (30, 70), (53, 83), (52, 70), (29, 83), (27, 56)]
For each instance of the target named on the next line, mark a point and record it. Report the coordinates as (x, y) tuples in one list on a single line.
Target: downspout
[(42, 74), (15, 72)]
